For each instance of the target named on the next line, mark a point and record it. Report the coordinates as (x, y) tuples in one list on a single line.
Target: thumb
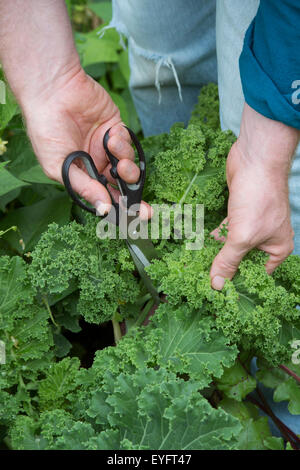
[(90, 189), (226, 264)]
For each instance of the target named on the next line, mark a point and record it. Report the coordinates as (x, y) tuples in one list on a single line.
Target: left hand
[(258, 207)]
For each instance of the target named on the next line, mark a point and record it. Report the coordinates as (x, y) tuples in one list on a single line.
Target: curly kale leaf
[(149, 409), (155, 410), (73, 257), (255, 311), (191, 168), (26, 335), (60, 381), (206, 111), (188, 343)]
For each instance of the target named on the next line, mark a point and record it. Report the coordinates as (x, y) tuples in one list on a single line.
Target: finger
[(91, 190), (146, 211), (226, 264), (128, 171), (272, 263), (120, 147), (120, 131), (275, 259)]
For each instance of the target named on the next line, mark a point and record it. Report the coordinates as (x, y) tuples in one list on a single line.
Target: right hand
[(75, 116)]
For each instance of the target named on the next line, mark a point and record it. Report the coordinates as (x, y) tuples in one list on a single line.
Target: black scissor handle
[(93, 172), (134, 191)]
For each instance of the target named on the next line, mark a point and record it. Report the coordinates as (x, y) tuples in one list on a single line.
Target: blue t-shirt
[(270, 61)]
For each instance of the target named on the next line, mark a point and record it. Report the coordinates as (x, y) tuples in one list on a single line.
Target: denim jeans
[(176, 47)]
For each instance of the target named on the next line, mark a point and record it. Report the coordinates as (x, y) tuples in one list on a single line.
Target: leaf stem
[(117, 329), (277, 423), (49, 311), (143, 315), (293, 438), (290, 372)]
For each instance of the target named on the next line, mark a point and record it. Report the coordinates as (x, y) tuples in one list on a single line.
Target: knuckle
[(115, 143), (84, 192), (289, 249), (225, 264), (284, 251), (241, 239)]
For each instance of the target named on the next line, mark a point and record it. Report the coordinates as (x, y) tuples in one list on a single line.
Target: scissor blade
[(142, 252)]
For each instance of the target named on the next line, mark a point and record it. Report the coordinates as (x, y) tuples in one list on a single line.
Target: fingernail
[(218, 282), (101, 208)]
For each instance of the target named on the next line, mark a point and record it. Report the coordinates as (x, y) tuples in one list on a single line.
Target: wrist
[(267, 144), (40, 89)]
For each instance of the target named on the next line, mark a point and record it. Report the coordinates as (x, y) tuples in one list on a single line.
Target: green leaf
[(236, 383), (286, 388), (96, 70), (24, 435), (76, 438), (188, 345), (133, 119), (154, 410), (10, 107), (8, 182), (35, 174), (289, 390), (8, 197), (24, 328), (119, 101), (118, 81), (93, 50), (20, 154), (102, 9), (12, 288), (60, 381), (62, 345), (255, 433), (124, 65), (33, 220)]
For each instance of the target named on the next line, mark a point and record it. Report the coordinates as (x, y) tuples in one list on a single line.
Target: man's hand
[(258, 208), (76, 117), (65, 110)]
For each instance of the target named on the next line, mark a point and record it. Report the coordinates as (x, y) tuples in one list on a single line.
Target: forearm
[(37, 50), (267, 144)]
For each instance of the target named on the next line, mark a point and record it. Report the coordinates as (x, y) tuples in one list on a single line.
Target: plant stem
[(140, 320), (290, 372), (143, 299), (49, 311), (277, 422), (281, 425), (117, 330)]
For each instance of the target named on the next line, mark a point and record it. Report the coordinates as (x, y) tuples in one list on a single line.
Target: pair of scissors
[(141, 250)]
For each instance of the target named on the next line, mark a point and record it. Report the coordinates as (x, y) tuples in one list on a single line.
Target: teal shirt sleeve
[(270, 61)]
